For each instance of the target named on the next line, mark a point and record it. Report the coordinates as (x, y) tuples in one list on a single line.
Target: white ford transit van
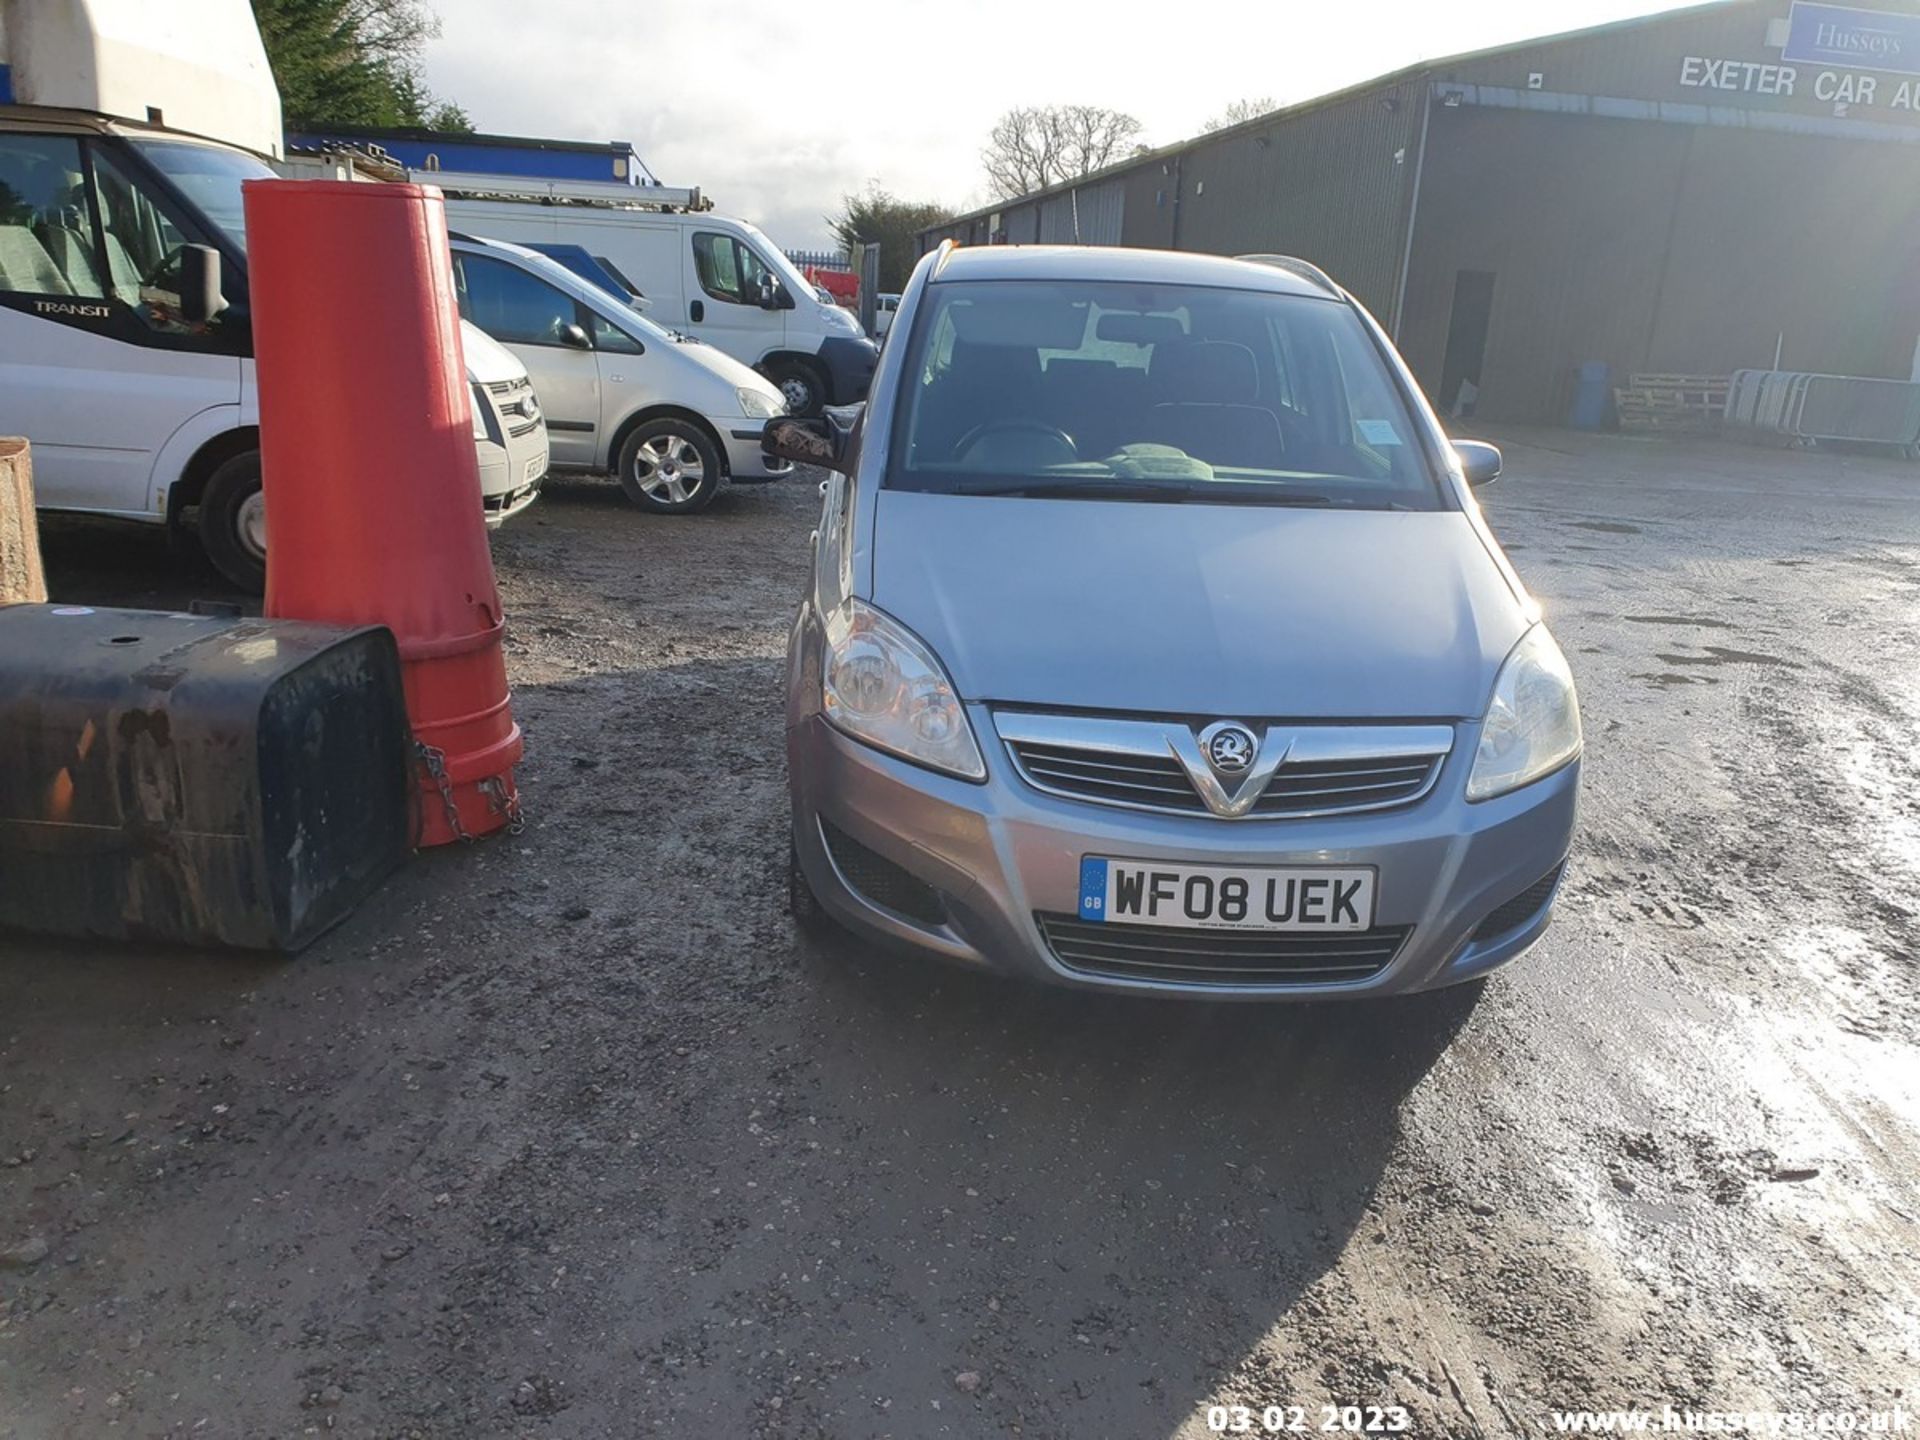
[(717, 279), (125, 350)]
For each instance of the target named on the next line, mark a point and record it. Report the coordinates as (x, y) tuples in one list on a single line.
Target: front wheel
[(799, 385), (233, 522), (670, 466)]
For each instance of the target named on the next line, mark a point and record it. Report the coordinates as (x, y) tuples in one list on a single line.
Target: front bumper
[(1002, 852), (511, 476), (747, 463)]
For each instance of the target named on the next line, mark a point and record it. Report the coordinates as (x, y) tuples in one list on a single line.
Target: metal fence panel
[(1799, 405), (1846, 407)]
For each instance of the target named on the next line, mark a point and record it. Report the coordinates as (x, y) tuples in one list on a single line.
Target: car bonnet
[(1223, 610)]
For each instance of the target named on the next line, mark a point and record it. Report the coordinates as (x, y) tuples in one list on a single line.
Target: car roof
[(545, 266), (1114, 263)]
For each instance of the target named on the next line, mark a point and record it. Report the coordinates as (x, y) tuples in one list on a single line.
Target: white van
[(715, 278), (126, 356), (673, 419)]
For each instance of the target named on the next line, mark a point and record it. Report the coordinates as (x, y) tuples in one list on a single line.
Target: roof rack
[(579, 192), (1312, 274)]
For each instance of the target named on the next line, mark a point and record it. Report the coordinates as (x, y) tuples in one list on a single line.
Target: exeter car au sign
[(1829, 57)]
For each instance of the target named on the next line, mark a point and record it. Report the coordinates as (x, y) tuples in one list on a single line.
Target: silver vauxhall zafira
[(1155, 643)]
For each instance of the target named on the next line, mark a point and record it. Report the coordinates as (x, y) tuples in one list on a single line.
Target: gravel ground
[(568, 1135)]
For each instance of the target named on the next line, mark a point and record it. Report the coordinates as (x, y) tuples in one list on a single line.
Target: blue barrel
[(1591, 389)]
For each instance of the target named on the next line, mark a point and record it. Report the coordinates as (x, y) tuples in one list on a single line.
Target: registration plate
[(536, 467), (1226, 897)]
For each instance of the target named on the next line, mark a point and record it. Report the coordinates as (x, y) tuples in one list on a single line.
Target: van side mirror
[(200, 297), (823, 440), (574, 336), (1479, 461), (769, 293)]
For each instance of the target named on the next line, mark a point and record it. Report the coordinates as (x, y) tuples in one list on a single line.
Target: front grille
[(1319, 786), (510, 387), (881, 881), (1519, 910), (1219, 957), (1102, 775), (1307, 787), (525, 427)]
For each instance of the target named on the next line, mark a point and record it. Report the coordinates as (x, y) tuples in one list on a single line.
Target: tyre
[(670, 466), (233, 522), (800, 384)]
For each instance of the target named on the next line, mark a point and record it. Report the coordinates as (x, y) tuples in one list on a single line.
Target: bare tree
[(1034, 146), (1239, 110)]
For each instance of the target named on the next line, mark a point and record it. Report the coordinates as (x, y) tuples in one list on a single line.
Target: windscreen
[(1096, 390), (211, 178), (774, 256)]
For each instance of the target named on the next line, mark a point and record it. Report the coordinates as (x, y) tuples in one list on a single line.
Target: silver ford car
[(1155, 643)]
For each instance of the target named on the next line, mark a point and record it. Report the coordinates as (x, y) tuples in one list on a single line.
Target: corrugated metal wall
[(1084, 215), (1330, 185), (1660, 247)]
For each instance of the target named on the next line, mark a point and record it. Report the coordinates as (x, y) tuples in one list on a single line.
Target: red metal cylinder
[(368, 469)]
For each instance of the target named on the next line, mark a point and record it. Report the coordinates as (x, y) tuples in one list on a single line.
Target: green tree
[(878, 217), (353, 62)]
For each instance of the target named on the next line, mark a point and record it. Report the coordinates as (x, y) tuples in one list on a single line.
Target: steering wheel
[(1014, 426), (151, 279)]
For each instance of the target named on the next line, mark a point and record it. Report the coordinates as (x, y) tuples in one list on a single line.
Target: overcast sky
[(779, 110)]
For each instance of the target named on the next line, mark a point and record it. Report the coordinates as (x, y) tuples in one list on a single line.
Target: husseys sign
[(1829, 57), (1865, 39)]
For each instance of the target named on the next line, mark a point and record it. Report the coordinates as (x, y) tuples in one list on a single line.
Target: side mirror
[(200, 297), (769, 295), (1479, 460), (574, 336), (824, 440)]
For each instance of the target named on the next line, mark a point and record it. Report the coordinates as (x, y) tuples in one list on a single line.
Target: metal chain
[(436, 762), (505, 804)]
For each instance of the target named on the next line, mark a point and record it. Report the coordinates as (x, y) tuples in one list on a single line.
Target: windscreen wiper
[(1203, 493)]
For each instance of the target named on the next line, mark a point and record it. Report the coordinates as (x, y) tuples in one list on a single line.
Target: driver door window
[(512, 306), (143, 246), (720, 262)]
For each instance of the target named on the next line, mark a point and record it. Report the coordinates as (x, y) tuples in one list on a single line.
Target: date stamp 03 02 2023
[(1303, 1420)]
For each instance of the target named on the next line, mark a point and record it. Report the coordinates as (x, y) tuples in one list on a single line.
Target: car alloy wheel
[(670, 465), (669, 469)]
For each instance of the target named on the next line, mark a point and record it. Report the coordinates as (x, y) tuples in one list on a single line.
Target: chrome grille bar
[(1306, 770)]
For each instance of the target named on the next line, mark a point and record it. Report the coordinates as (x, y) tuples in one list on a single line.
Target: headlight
[(479, 410), (1533, 724), (758, 404), (842, 321), (882, 685)]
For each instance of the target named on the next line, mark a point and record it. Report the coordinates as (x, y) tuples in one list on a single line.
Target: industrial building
[(1689, 193)]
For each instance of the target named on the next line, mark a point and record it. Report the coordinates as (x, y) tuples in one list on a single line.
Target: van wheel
[(670, 466), (233, 522), (800, 385)]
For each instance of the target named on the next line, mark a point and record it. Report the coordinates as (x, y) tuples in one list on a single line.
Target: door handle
[(697, 312)]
